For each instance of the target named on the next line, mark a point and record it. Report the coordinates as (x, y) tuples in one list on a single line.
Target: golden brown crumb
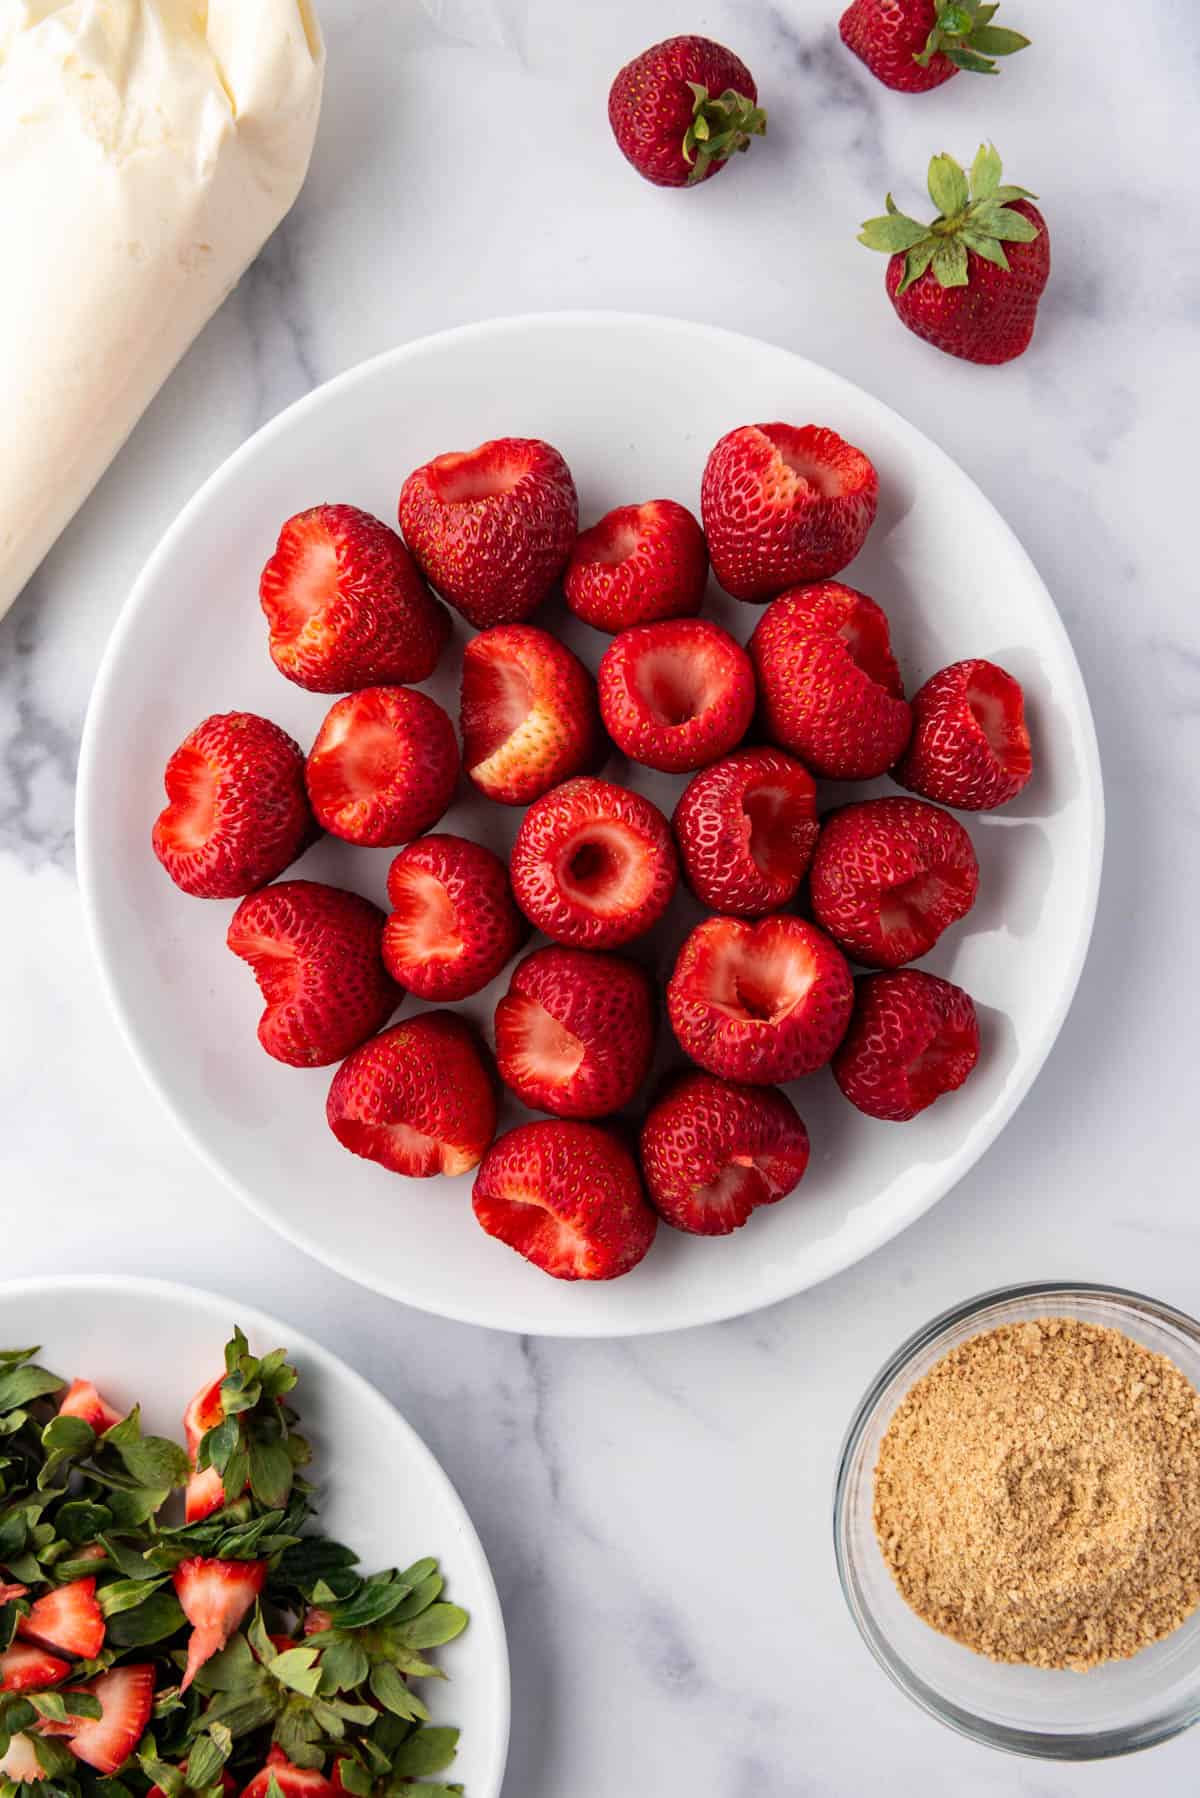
[(1037, 1494)]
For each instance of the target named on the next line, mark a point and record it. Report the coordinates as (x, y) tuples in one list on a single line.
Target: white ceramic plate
[(634, 404), (154, 1343)]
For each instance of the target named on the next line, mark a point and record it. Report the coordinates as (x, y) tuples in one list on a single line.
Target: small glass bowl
[(1051, 1714)]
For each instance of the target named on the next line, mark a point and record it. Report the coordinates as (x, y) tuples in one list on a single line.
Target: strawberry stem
[(963, 32), (719, 127)]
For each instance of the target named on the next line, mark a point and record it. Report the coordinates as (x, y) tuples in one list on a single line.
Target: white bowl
[(634, 404), (153, 1343)]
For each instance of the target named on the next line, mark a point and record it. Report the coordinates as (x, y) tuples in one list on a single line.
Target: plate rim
[(252, 1317), (519, 1317)]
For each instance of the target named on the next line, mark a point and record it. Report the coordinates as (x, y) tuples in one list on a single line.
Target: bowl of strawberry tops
[(622, 838)]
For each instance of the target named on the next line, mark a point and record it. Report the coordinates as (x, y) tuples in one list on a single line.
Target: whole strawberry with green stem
[(970, 282), (915, 45), (681, 109)]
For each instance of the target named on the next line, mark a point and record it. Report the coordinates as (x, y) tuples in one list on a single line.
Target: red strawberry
[(676, 695), (912, 1038), (529, 714), (419, 1099), (568, 1197), (913, 45), (575, 1032), (638, 565), (712, 1152), (237, 812), (593, 865), (81, 1399), (746, 829), (317, 1620), (454, 923), (384, 766), (346, 605), (205, 1491), (763, 1002), (67, 1620), (888, 876), (969, 283), (681, 109), (783, 504), (293, 1782), (20, 1762), (11, 1590), (215, 1596), (126, 1695), (316, 953), (492, 527), (831, 690), (970, 746), (25, 1668)]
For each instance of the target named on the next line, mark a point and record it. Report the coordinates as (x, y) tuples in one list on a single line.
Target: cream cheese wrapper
[(147, 150)]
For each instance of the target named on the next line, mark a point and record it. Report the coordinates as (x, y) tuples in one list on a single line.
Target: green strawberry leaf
[(1002, 222), (916, 262), (19, 1385), (950, 263), (985, 172), (428, 1751), (967, 59), (988, 247), (994, 40), (892, 233), (947, 186), (154, 1620)]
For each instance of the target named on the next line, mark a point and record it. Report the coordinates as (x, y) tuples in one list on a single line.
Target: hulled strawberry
[(82, 1399), (676, 695), (783, 504), (126, 1697), (206, 1488), (746, 829), (454, 923), (915, 45), (639, 564), (214, 1596), (419, 1099), (67, 1620), (829, 686), (681, 109), (575, 1032), (970, 282), (759, 1002), (316, 953), (384, 766), (345, 605), (529, 713), (713, 1151), (568, 1197), (593, 865), (912, 1038), (969, 746), (27, 1668), (491, 528), (889, 876), (237, 812)]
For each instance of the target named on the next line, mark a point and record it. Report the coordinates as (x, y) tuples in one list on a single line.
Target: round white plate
[(634, 404), (153, 1343)]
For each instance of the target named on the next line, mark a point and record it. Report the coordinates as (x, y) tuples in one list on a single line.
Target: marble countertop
[(657, 1513)]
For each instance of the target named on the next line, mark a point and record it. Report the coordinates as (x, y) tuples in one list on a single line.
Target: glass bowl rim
[(1101, 1744)]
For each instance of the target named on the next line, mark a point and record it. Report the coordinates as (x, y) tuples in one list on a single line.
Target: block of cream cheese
[(147, 150)]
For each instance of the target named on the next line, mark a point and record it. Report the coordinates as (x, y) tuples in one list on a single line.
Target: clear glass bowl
[(1055, 1715)]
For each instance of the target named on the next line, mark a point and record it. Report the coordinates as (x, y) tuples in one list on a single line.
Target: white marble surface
[(658, 1514)]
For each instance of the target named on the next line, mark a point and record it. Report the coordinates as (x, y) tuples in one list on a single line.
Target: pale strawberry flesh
[(215, 1595), (126, 1695)]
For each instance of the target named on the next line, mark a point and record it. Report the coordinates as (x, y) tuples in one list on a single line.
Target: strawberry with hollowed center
[(205, 1489), (746, 829), (81, 1399), (384, 766), (24, 1667), (638, 565), (568, 1197), (830, 688), (126, 1698), (346, 606), (67, 1620), (682, 108), (454, 922), (783, 504), (293, 1781), (915, 45), (593, 865), (676, 695), (912, 1038), (759, 1002), (315, 952), (237, 812), (575, 1032), (889, 876), (491, 528), (970, 282), (214, 1595), (713, 1151), (970, 745), (419, 1100), (529, 714)]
